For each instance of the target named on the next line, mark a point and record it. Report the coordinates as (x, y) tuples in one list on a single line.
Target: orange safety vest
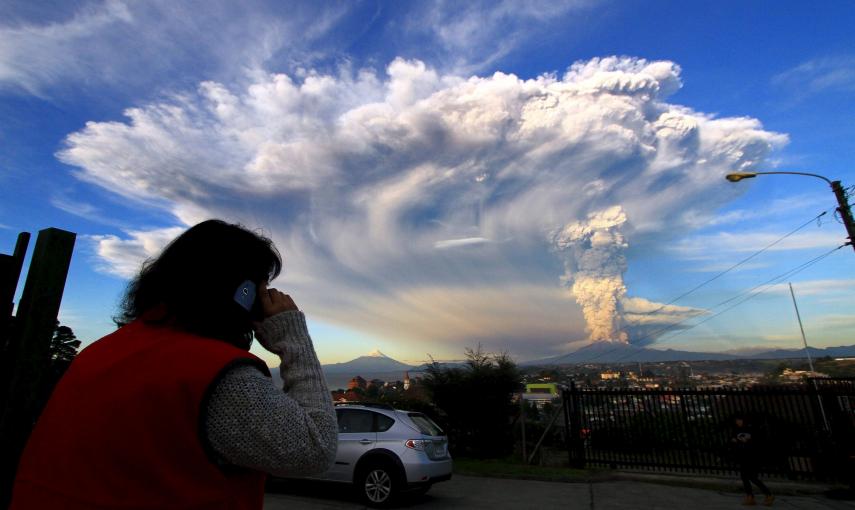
[(124, 429)]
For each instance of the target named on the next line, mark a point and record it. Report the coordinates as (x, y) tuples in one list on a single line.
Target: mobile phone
[(245, 295)]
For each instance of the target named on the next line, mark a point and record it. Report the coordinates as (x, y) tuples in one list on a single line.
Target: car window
[(355, 420), (384, 423), (426, 425)]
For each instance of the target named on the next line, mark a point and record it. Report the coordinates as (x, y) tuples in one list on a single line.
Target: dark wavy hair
[(192, 283)]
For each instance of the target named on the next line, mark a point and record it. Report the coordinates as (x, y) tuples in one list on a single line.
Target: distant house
[(609, 375), (357, 382), (541, 394), (797, 375), (346, 396)]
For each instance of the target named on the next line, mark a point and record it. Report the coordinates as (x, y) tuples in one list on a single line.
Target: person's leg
[(762, 486), (769, 498), (753, 476), (746, 482), (746, 485)]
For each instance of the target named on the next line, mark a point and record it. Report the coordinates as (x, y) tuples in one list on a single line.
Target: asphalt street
[(495, 493)]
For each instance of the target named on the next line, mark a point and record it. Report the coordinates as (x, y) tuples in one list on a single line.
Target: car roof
[(368, 405)]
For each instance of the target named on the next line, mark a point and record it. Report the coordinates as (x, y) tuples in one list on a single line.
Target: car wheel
[(378, 485)]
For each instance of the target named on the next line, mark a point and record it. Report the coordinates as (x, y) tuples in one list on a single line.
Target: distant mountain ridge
[(842, 351), (608, 352), (375, 361), (377, 365)]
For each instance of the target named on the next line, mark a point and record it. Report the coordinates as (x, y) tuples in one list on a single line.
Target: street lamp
[(839, 192)]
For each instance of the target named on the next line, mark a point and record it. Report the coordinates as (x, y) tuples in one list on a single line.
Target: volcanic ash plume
[(594, 263)]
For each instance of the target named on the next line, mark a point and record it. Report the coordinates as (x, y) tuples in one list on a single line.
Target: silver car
[(385, 451)]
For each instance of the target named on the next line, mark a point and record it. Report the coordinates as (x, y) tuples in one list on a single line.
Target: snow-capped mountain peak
[(376, 354)]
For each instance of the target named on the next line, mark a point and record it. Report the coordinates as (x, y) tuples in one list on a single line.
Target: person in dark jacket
[(745, 447), (171, 410)]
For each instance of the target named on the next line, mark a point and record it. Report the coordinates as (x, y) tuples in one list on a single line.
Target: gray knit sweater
[(252, 423)]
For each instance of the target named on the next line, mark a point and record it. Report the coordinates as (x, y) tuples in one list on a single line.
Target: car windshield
[(426, 425)]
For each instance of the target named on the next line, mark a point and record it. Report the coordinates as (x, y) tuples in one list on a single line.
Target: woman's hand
[(273, 301)]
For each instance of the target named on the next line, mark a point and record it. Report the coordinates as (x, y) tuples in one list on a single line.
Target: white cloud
[(454, 243), (124, 257), (360, 178), (146, 46), (32, 55), (815, 287), (777, 208), (834, 322), (84, 210), (474, 35), (144, 49), (827, 74), (712, 246)]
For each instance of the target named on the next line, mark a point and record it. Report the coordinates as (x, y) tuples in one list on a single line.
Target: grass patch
[(510, 468)]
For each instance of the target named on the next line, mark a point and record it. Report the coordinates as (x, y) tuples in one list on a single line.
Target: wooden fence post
[(10, 273), (574, 431)]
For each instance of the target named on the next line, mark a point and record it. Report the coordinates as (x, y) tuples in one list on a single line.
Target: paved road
[(493, 493)]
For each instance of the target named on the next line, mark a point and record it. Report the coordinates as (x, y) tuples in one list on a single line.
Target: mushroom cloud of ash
[(428, 207)]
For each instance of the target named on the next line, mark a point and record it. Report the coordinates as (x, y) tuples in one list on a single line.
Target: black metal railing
[(802, 431)]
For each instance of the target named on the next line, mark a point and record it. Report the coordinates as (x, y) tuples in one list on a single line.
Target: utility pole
[(845, 212), (799, 317), (810, 360)]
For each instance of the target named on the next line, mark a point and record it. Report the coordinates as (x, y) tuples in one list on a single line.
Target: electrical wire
[(731, 268), (751, 295)]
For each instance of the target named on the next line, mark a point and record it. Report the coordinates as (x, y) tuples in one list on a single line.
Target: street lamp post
[(839, 193), (846, 215)]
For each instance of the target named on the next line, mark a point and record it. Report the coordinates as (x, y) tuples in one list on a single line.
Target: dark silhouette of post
[(27, 350), (10, 273), (844, 210), (577, 444)]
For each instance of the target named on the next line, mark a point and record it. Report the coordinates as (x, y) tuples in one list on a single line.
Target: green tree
[(372, 392), (63, 349), (64, 345), (474, 402)]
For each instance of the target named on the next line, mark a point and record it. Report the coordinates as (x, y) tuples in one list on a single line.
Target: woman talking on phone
[(171, 410)]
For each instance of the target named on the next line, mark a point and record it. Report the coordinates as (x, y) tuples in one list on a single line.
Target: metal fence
[(803, 431)]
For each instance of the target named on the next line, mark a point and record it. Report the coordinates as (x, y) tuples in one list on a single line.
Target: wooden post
[(522, 426), (577, 442), (28, 350), (10, 273)]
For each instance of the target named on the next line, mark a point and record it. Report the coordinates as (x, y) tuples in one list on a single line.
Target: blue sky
[(529, 175)]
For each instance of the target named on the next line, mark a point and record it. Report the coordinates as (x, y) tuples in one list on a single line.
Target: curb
[(717, 483), (726, 484)]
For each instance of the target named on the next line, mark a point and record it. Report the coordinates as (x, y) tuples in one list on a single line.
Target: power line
[(731, 268), (769, 284), (751, 295)]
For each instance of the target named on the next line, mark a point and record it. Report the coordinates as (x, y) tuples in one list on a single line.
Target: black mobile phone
[(245, 295)]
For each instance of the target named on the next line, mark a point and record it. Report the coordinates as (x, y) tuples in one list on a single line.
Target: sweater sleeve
[(289, 431)]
